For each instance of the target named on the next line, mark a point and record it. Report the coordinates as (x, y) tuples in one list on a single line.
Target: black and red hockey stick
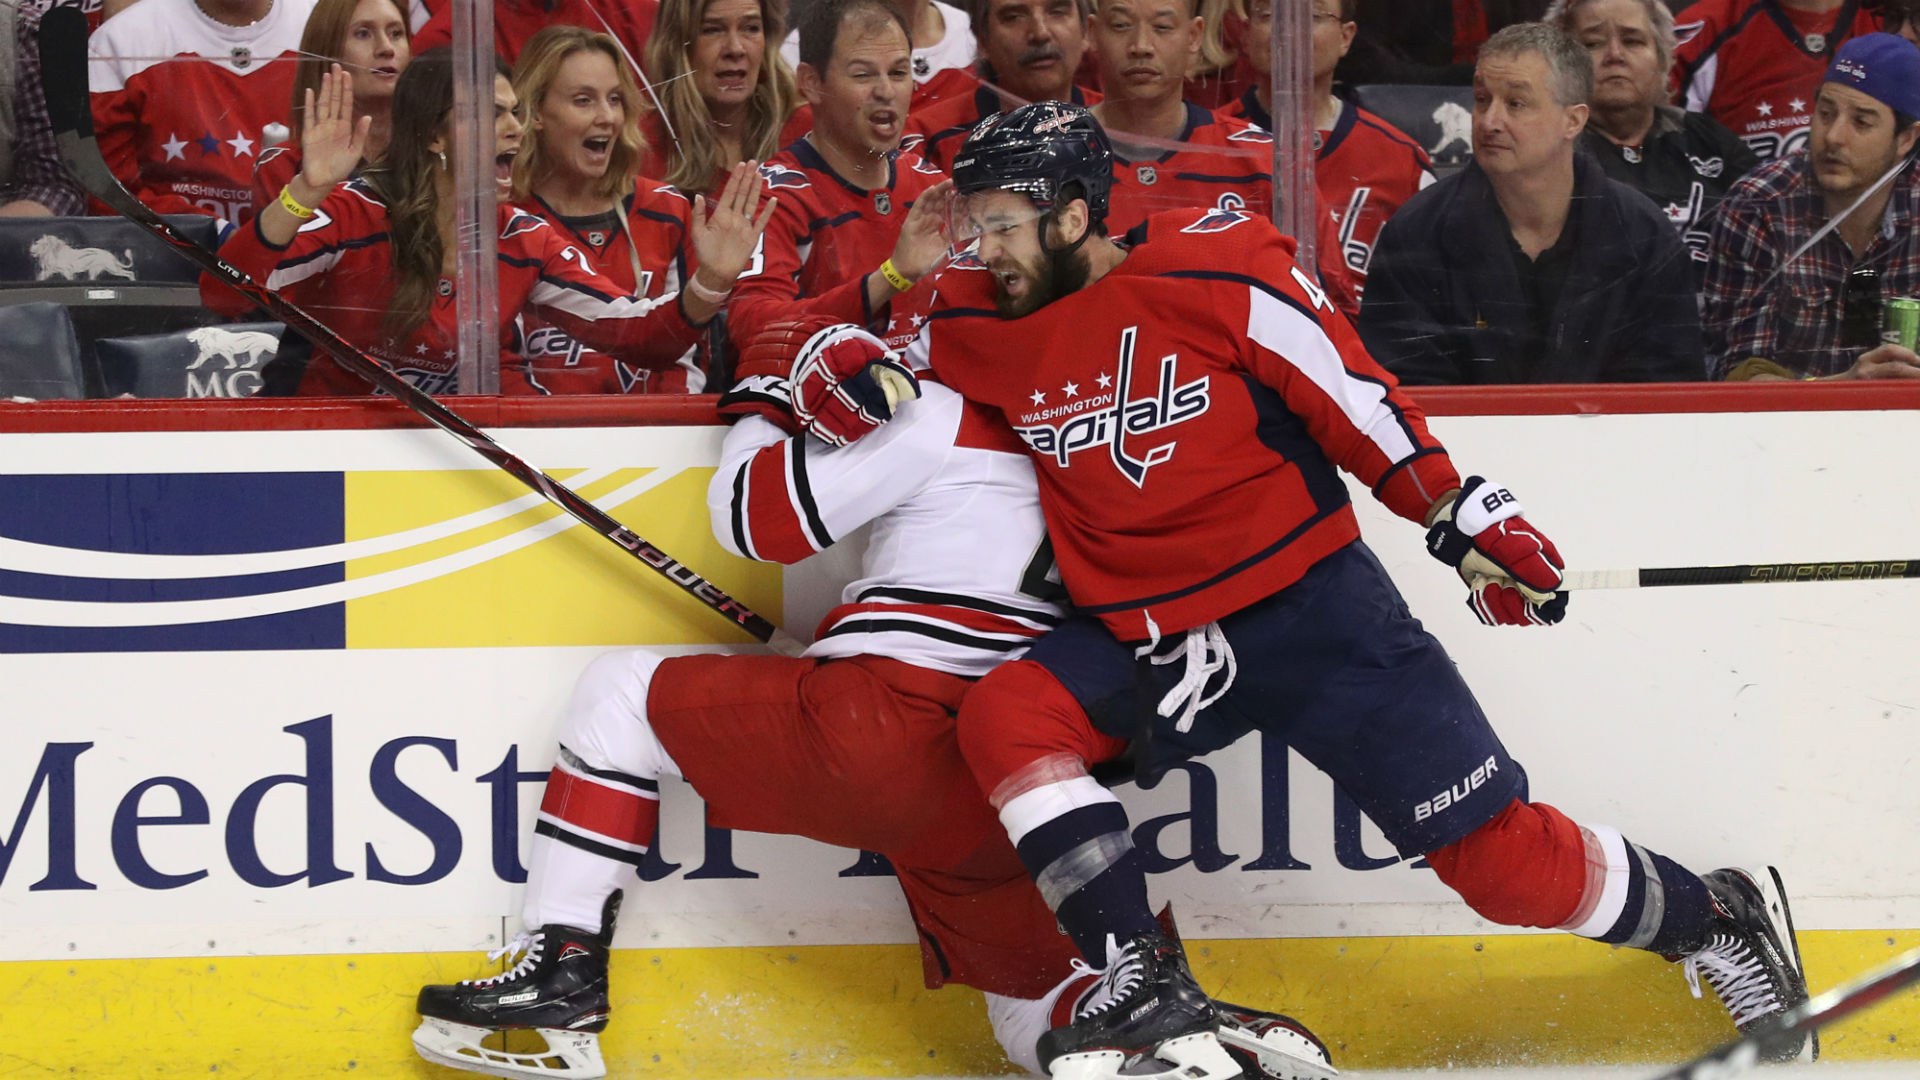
[(63, 68), (1744, 574)]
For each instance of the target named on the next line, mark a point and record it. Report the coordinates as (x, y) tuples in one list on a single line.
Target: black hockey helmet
[(1035, 150)]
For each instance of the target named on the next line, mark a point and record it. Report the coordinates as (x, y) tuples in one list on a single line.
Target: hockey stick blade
[(1736, 1057), (63, 67), (1743, 574)]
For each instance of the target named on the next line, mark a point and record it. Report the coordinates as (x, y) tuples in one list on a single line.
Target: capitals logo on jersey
[(1220, 218), (779, 176), (1107, 419)]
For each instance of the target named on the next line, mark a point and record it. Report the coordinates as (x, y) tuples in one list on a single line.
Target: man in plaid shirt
[(1772, 315), (34, 183)]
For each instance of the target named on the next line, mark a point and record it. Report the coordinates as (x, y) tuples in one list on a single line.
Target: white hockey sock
[(1019, 1022)]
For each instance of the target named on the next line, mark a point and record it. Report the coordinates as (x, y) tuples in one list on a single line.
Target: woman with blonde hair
[(369, 39), (726, 95), (577, 171)]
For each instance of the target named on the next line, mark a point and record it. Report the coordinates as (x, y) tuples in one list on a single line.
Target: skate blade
[(1188, 1057), (1774, 892), (1282, 1054), (566, 1055)]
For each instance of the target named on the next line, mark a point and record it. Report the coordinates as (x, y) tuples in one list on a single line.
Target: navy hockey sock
[(1085, 867), (1668, 909)]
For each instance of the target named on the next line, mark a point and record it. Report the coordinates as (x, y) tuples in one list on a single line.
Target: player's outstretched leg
[(1531, 865), (557, 989), (1270, 1046), (1146, 1002)]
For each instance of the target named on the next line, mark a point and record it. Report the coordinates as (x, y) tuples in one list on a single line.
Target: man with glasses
[(1898, 17), (1810, 247)]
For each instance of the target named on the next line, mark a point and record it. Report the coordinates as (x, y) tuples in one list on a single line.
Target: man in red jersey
[(1031, 52), (1365, 168), (1187, 401), (515, 21), (1754, 65), (182, 91), (850, 235)]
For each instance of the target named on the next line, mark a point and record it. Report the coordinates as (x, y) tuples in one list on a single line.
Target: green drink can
[(1902, 324)]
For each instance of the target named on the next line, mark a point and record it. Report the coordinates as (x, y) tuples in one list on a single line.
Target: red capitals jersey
[(935, 133), (550, 360), (1227, 164), (1186, 413), (277, 167), (826, 236), (1755, 65), (180, 101), (514, 21), (339, 268), (1365, 170)]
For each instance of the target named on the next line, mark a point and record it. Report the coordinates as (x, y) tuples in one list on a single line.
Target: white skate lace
[(522, 943), (1124, 974), (1206, 651), (1737, 976)]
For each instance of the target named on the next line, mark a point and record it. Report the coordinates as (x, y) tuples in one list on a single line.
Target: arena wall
[(243, 818)]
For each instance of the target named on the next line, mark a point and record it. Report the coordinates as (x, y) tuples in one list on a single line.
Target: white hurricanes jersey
[(958, 575)]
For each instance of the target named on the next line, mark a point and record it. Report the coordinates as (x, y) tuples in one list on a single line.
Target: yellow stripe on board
[(846, 1011)]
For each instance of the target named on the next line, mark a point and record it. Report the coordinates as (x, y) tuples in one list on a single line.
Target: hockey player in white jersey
[(850, 744)]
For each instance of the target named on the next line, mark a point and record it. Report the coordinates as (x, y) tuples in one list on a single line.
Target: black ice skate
[(1751, 958), (557, 989), (1146, 1006), (1269, 1046)]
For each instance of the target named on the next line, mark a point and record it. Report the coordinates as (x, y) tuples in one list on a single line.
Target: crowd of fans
[(1714, 189)]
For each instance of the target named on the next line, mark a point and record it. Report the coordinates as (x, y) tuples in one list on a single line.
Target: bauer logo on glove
[(1511, 569)]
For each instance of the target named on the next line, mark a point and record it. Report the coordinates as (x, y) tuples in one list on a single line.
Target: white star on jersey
[(1072, 389), (1105, 380), (917, 320), (421, 348), (1039, 397), (175, 147), (241, 145), (1797, 105), (1765, 108)]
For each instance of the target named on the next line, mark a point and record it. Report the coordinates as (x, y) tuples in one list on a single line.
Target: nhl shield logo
[(445, 288), (1147, 174), (242, 56), (1816, 43), (882, 202), (597, 238)]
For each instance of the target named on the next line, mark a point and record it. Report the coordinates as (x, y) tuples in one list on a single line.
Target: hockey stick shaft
[(1743, 574), (63, 65), (1736, 1057)]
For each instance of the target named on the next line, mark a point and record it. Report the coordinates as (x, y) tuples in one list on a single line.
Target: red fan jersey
[(826, 236), (514, 21), (1226, 163), (1186, 413), (180, 101), (935, 133), (1754, 65), (339, 269), (1365, 169), (649, 264)]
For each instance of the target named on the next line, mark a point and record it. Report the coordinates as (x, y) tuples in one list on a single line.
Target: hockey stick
[(1743, 574), (63, 67), (1736, 1057)]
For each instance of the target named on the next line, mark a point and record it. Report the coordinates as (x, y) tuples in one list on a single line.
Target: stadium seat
[(1439, 118), (39, 355), (208, 361), (100, 251)]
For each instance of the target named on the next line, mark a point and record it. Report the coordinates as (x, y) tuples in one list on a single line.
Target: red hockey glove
[(846, 383), (762, 376), (1512, 571)]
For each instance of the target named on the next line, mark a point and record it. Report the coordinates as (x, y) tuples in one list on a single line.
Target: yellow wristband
[(292, 205), (894, 277)]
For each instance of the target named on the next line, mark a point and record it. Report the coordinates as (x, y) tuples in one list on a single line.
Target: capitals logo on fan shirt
[(779, 176), (1107, 419)]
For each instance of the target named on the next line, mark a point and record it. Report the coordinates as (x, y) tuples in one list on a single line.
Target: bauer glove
[(1512, 571), (846, 382)]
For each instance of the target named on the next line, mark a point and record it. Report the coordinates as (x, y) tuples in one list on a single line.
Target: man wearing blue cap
[(1809, 247)]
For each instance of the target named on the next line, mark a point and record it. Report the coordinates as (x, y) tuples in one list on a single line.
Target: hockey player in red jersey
[(183, 93), (850, 238), (576, 172), (850, 744), (1187, 402), (372, 257), (1754, 65)]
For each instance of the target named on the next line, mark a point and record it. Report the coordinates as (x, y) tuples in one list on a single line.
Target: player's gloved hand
[(846, 382), (762, 375), (1512, 571)]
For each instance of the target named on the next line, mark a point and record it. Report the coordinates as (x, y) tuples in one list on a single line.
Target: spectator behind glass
[(183, 92), (369, 39), (1683, 161), (1772, 316), (1754, 65), (1030, 51), (516, 21), (576, 171), (375, 259), (724, 95), (1897, 17), (1221, 72), (943, 50), (1530, 265), (1365, 168), (1431, 42), (33, 180)]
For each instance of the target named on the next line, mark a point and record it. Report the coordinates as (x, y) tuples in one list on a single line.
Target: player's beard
[(1059, 273)]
